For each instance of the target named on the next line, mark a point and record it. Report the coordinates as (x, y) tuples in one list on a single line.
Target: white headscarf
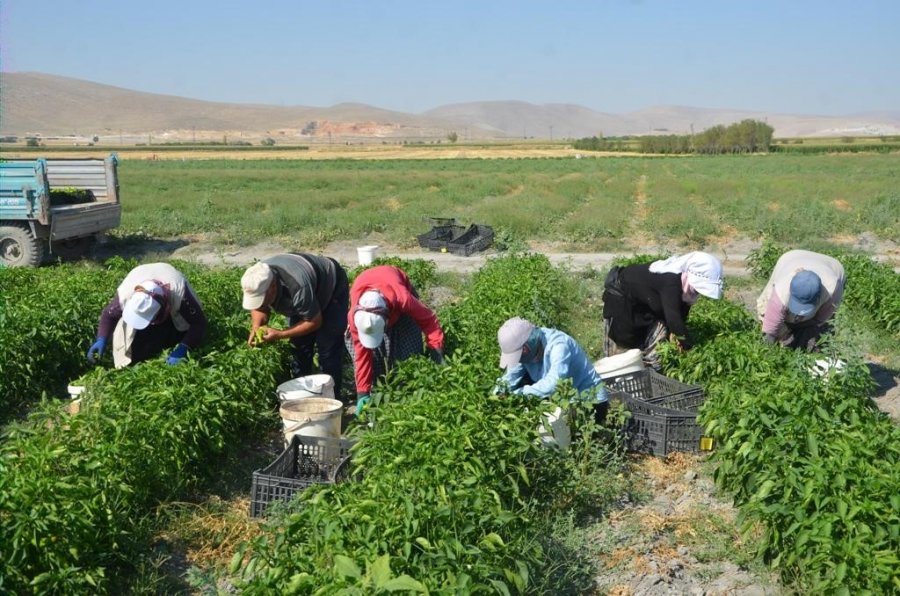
[(704, 271)]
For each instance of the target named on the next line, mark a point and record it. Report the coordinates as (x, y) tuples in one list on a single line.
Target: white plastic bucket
[(554, 430), (309, 386), (75, 392), (366, 254), (311, 417), (620, 364)]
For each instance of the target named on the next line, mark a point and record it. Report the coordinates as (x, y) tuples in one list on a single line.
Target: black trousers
[(150, 341), (328, 339)]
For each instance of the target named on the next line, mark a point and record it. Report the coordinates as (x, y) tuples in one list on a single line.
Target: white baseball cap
[(512, 336), (142, 307), (255, 283), (371, 318)]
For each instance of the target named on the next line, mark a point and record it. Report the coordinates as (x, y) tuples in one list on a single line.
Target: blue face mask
[(532, 351)]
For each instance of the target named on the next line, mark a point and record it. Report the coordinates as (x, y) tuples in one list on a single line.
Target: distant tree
[(32, 142), (453, 137), (267, 142), (96, 139)]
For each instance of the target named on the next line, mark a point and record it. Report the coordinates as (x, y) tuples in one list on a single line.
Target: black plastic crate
[(475, 239), (305, 462), (439, 236), (663, 412), (650, 386), (659, 430)]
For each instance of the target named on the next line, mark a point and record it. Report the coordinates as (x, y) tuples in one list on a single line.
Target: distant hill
[(50, 105)]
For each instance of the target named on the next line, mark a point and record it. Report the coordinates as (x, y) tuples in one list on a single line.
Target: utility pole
[(551, 132)]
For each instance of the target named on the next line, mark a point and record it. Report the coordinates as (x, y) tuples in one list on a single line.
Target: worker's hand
[(362, 400), (437, 355), (178, 354), (260, 335), (96, 350)]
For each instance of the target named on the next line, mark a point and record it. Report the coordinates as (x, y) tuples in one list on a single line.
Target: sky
[(824, 57)]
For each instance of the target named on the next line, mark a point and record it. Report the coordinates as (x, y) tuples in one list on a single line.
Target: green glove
[(362, 400)]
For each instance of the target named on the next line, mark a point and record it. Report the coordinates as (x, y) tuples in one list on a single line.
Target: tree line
[(747, 136)]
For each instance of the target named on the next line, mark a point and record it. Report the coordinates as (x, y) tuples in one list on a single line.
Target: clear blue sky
[(829, 57)]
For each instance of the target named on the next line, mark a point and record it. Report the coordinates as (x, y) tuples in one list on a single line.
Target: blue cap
[(805, 289)]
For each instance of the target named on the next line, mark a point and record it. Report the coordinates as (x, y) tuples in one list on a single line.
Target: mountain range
[(45, 105)]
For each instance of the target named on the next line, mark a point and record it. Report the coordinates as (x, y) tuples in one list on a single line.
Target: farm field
[(586, 204), (147, 516), (380, 196)]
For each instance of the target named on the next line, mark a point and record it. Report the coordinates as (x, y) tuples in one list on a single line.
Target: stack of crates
[(663, 412)]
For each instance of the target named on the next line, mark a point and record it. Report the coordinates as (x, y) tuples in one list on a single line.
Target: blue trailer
[(38, 218)]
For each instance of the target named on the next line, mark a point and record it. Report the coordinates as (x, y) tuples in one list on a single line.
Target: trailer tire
[(18, 248)]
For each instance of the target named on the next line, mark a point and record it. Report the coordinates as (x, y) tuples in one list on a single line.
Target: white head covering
[(143, 306), (704, 271), (370, 316)]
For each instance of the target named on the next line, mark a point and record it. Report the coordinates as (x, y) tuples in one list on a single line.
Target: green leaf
[(345, 566), (764, 490), (404, 582), (380, 571)]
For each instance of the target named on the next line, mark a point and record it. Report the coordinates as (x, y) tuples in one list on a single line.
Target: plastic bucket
[(75, 392), (366, 254), (311, 417), (310, 386), (620, 364), (554, 430)]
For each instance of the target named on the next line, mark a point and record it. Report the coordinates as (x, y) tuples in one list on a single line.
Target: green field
[(580, 204)]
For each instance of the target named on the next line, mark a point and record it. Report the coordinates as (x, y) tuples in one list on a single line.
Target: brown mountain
[(50, 105)]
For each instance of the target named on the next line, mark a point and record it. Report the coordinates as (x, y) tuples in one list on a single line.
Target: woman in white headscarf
[(644, 304)]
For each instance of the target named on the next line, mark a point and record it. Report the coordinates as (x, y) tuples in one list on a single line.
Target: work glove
[(769, 339), (96, 350), (437, 355), (362, 400), (178, 354)]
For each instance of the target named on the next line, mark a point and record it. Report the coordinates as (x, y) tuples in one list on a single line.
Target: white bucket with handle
[(311, 417), (366, 254), (75, 392), (320, 385), (620, 364)]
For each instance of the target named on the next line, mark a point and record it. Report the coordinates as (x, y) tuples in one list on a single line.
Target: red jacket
[(397, 290)]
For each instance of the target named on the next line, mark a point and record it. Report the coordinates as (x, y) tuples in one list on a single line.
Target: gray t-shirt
[(305, 284)]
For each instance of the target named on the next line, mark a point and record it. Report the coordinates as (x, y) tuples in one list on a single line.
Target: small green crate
[(305, 462)]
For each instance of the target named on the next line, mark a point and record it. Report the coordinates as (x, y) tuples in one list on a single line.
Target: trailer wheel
[(18, 248)]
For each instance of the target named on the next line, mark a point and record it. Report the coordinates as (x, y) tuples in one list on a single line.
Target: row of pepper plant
[(77, 492), (450, 490), (46, 317), (806, 455)]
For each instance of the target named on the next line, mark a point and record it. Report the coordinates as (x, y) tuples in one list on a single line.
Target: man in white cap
[(536, 359), (644, 304), (800, 298), (154, 308), (385, 326), (311, 291)]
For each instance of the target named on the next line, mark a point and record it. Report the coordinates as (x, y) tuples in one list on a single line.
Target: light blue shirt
[(562, 359)]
